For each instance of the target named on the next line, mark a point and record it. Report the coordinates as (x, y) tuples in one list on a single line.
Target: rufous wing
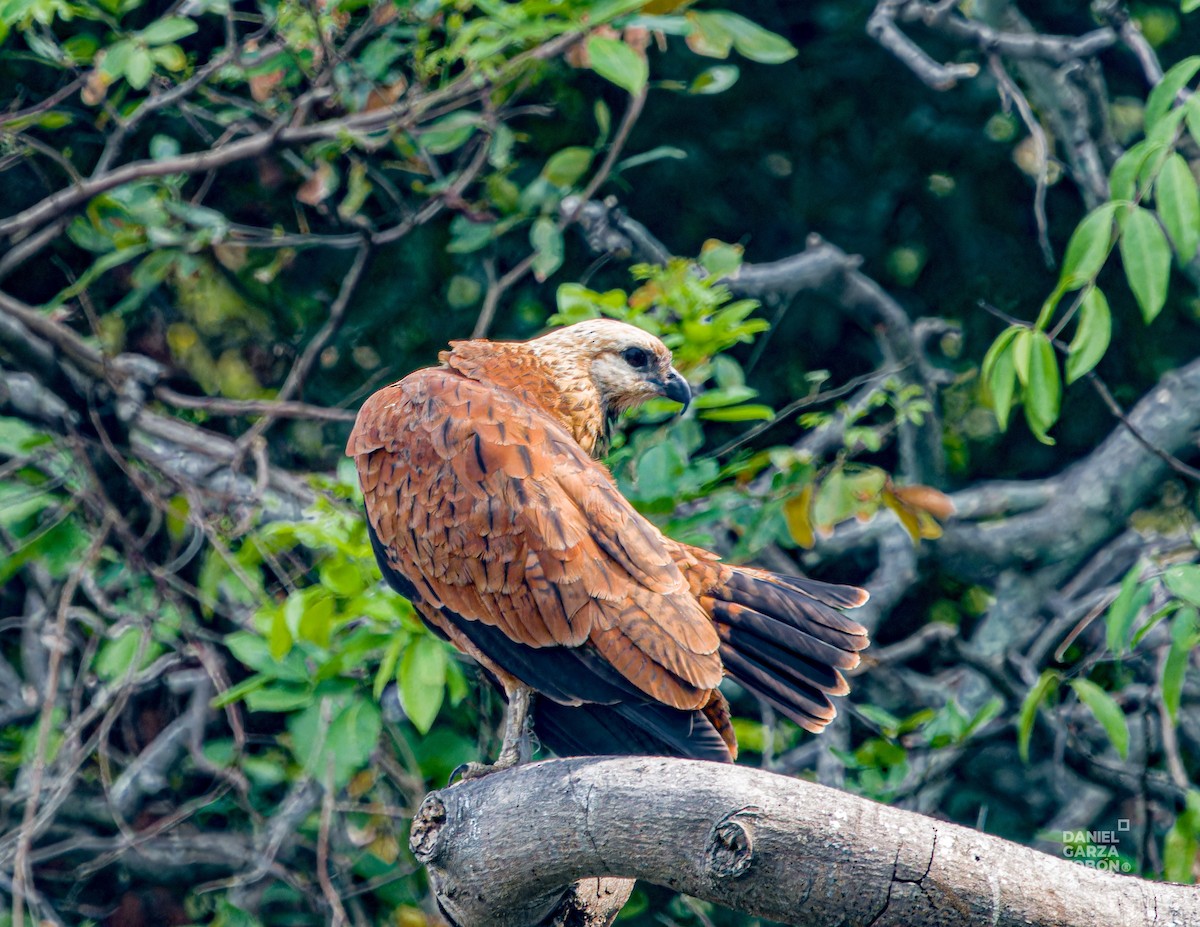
[(494, 514)]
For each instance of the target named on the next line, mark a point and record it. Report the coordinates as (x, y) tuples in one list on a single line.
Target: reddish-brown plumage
[(489, 513)]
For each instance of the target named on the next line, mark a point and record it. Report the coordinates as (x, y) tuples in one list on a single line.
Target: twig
[(636, 103), (327, 888), (303, 366), (37, 109), (1118, 413), (1170, 742), (491, 300), (404, 114), (804, 402), (58, 647), (881, 26), (1115, 13), (1009, 91), (569, 212), (126, 128), (218, 405), (1058, 49)]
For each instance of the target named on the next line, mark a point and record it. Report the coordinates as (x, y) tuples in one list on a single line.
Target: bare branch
[(502, 849), (1058, 49), (218, 405), (58, 648), (881, 26)]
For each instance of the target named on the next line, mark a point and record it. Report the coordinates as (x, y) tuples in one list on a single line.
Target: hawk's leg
[(517, 746)]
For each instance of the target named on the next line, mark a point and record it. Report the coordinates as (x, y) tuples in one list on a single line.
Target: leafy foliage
[(235, 681)]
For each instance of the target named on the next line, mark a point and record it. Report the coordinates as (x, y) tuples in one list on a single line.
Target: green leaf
[(1184, 637), (603, 121), (709, 35), (278, 698), (1106, 711), (720, 258), (1189, 6), (352, 737), (240, 691), (1162, 97), (116, 58), (422, 679), (999, 374), (449, 133), (546, 238), (18, 437), (167, 30), (1184, 581), (387, 666), (1022, 353), (1178, 202), (750, 39), (833, 503), (724, 396), (746, 413), (279, 637), (345, 744), (1125, 608), (1088, 248), (1123, 179), (658, 470), (254, 652), (139, 68), (342, 576), (1155, 617), (566, 167), (1181, 845), (605, 10), (1193, 117), (1147, 259), (1092, 335), (654, 154), (716, 79), (615, 61), (317, 619), (1046, 684), (55, 119), (1043, 389), (1163, 134), (116, 656)]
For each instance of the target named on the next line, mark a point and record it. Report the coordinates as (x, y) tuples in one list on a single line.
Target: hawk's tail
[(786, 640)]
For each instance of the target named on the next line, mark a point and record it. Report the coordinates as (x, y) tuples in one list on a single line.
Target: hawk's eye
[(637, 358)]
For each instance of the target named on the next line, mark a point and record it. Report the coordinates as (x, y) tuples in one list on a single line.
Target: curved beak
[(674, 386)]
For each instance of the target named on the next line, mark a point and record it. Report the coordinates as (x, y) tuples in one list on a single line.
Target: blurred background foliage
[(210, 709)]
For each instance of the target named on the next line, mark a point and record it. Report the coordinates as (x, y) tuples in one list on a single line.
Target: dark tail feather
[(808, 642), (808, 707), (783, 639), (802, 603), (627, 729)]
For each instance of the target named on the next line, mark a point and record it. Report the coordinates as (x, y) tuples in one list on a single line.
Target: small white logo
[(1097, 849)]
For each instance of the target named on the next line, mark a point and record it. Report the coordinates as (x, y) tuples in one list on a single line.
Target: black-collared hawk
[(488, 511)]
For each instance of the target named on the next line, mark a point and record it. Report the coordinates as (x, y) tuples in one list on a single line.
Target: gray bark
[(503, 849)]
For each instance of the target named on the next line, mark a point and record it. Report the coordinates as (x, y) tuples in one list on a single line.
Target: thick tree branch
[(501, 850)]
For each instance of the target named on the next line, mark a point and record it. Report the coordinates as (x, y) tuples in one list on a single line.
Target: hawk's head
[(623, 364)]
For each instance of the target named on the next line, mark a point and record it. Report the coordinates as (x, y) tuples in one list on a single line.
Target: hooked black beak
[(674, 386)]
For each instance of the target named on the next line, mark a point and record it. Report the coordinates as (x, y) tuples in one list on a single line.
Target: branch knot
[(731, 844), (426, 830)]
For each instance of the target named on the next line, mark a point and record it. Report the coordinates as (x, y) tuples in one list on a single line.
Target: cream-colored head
[(619, 363)]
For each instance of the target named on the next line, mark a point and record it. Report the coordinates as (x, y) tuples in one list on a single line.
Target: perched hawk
[(487, 510)]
